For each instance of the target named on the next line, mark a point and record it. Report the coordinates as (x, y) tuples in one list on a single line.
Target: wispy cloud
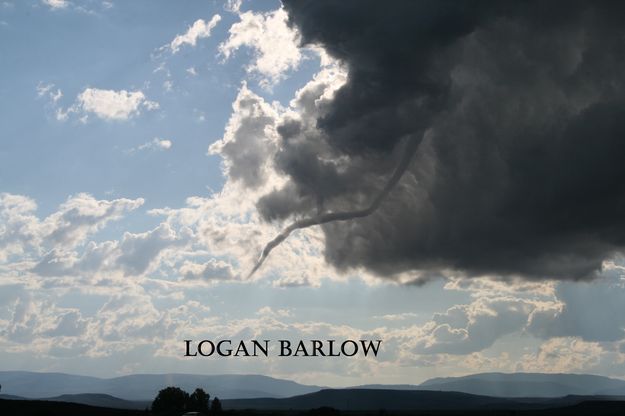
[(56, 4), (47, 90), (156, 144)]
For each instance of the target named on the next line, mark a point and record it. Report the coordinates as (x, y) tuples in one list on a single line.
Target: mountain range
[(251, 391), (517, 385), (143, 387), (528, 385)]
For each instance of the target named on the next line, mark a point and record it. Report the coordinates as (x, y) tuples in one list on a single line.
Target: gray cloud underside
[(519, 110)]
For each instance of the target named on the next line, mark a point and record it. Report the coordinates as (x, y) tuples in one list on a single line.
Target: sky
[(424, 173)]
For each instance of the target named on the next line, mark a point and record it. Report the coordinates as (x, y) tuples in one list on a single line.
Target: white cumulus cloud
[(200, 29), (249, 140), (77, 218), (108, 105), (114, 105), (274, 42)]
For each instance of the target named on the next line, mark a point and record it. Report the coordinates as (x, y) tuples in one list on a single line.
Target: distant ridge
[(527, 385), (142, 387), (517, 385)]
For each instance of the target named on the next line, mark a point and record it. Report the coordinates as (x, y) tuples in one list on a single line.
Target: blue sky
[(116, 50), (122, 233)]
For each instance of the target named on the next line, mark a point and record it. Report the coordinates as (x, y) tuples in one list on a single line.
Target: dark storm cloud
[(516, 112)]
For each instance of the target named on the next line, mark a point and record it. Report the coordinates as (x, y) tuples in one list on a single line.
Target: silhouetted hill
[(356, 402), (10, 397), (101, 400), (145, 386), (387, 387), (374, 399), (91, 399), (408, 401), (527, 385), (49, 408)]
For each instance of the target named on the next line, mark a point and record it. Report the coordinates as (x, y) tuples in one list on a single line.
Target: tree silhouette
[(170, 401), (198, 401), (216, 406)]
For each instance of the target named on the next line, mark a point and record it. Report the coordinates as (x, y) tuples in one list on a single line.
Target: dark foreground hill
[(435, 403), (51, 408), (99, 400), (367, 400), (408, 400)]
